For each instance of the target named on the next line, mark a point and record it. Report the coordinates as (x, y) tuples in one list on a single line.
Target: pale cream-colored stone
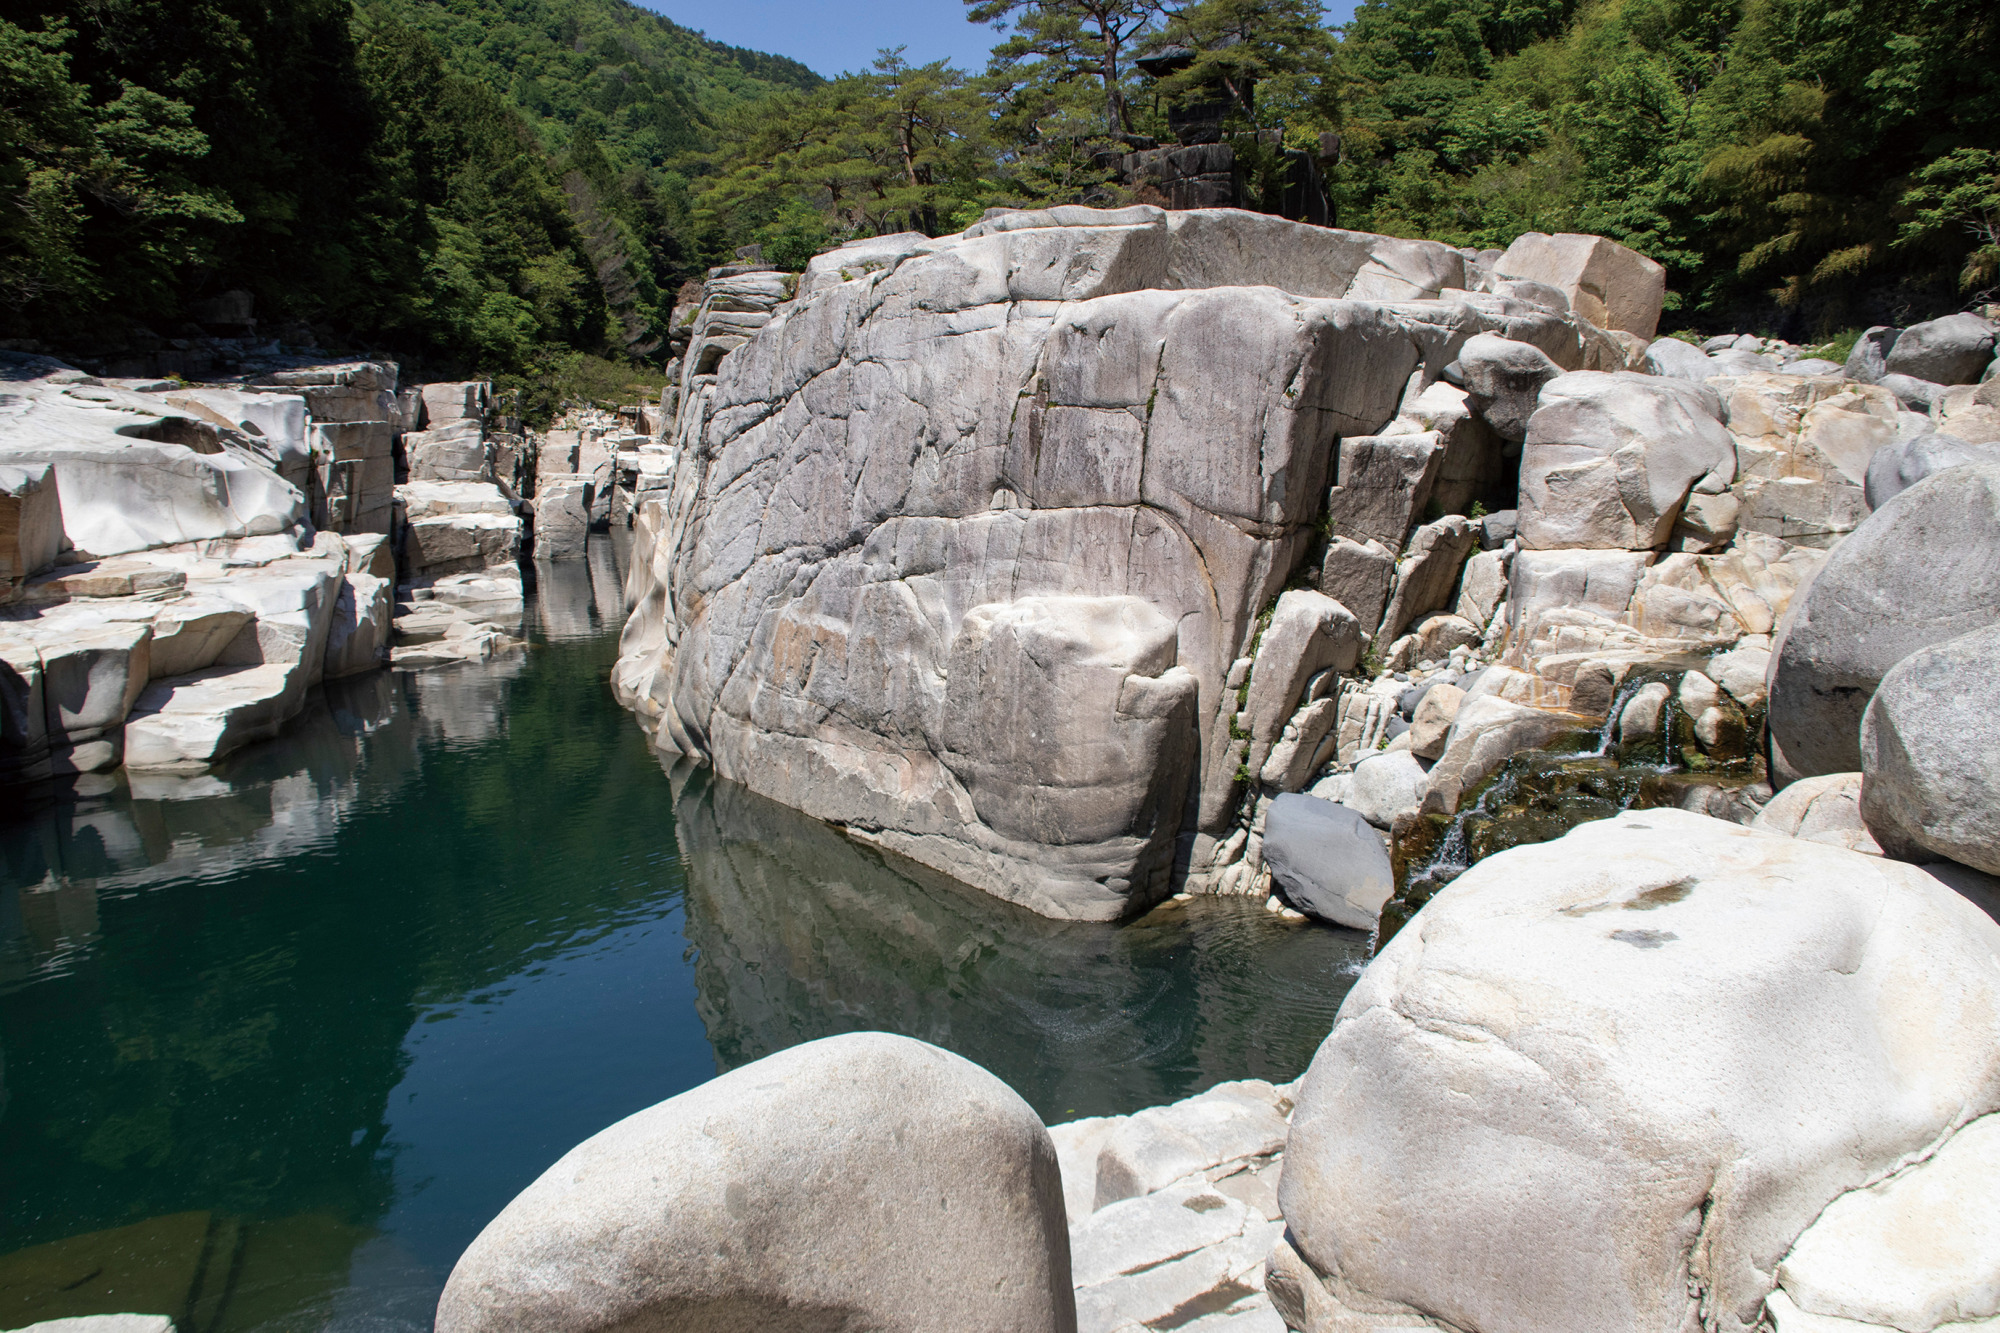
[(1607, 1081)]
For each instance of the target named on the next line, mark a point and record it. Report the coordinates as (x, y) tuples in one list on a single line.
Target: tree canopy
[(493, 183)]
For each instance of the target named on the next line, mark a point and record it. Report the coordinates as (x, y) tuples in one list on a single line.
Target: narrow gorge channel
[(280, 1039)]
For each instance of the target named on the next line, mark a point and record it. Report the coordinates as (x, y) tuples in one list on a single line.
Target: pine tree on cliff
[(1061, 42)]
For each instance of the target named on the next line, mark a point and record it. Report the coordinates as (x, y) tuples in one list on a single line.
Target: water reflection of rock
[(803, 933), (579, 599), (260, 806)]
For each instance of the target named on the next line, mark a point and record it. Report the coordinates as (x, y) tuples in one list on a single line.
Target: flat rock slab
[(191, 721)]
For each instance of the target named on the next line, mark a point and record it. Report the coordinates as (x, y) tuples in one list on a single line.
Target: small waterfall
[(1538, 795)]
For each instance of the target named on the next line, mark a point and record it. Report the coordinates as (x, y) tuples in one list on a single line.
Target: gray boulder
[(1869, 361), (1504, 378), (1918, 395), (1811, 365), (1611, 1081), (1903, 463), (1610, 458), (1737, 361), (1382, 484), (1952, 350), (1930, 754), (1358, 575), (861, 1181), (1326, 859), (1679, 360), (1922, 569)]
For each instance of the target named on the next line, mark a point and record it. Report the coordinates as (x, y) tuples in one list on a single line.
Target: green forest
[(501, 184)]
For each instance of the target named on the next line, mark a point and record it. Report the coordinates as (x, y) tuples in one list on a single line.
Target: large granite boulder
[(1902, 463), (1610, 459), (1952, 350), (1073, 408), (1611, 1081), (1327, 861), (1923, 568), (1930, 754), (862, 1181), (1610, 285), (1505, 379)]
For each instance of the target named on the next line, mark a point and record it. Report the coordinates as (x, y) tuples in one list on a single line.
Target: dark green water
[(276, 1042)]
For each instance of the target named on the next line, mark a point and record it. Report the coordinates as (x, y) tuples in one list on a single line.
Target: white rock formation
[(866, 1181), (1610, 1081), (1187, 1252), (1608, 284), (1079, 405)]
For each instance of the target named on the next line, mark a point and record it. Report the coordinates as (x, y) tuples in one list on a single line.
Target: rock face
[(862, 1181), (1610, 459), (31, 529), (1919, 571), (1071, 409), (1174, 1208), (1608, 1082), (133, 472), (1915, 1251), (1930, 753)]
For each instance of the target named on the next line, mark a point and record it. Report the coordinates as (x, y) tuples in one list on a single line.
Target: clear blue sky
[(834, 36)]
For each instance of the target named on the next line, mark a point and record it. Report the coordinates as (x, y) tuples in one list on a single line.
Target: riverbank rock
[(134, 472), (1824, 809), (1952, 350), (1327, 861), (1610, 1081), (1189, 1249), (1920, 570), (866, 1181), (1930, 749), (1073, 404), (1610, 459)]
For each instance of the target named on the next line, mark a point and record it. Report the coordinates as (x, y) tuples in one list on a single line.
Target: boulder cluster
[(1058, 554), (1097, 556)]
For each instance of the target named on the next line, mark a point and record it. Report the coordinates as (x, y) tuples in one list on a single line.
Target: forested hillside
[(480, 184), (495, 183)]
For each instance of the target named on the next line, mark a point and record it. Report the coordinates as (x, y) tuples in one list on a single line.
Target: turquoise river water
[(277, 1041)]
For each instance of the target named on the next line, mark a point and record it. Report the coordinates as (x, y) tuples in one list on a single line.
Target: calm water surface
[(276, 1041)]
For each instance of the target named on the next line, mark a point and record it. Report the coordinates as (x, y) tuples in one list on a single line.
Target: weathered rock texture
[(864, 1181), (1920, 570), (1072, 453), (1606, 1082), (1930, 753)]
